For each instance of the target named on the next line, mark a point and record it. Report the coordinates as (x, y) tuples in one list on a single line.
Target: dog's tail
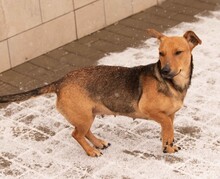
[(50, 88)]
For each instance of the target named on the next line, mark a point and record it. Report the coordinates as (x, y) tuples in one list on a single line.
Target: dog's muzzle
[(167, 73)]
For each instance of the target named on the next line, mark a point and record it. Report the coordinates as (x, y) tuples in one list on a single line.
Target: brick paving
[(35, 146)]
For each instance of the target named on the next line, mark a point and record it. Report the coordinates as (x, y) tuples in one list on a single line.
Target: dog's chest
[(175, 99), (176, 104)]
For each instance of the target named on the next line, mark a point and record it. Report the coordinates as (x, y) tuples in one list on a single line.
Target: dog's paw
[(170, 148), (101, 144), (94, 153), (106, 145)]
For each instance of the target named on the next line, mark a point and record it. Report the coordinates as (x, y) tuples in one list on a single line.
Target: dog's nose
[(166, 70)]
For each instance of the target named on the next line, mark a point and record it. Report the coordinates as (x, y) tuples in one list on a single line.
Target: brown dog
[(154, 91)]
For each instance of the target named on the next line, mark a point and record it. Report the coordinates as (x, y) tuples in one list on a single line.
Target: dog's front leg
[(167, 132)]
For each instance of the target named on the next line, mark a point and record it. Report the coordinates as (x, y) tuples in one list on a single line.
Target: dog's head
[(175, 52)]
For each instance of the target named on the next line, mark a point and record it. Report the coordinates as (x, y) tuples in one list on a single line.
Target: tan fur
[(143, 92)]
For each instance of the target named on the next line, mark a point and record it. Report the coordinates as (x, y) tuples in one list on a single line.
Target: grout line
[(9, 54), (104, 13), (41, 15), (75, 20), (86, 5)]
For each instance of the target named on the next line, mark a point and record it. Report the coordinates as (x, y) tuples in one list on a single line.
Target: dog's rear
[(155, 91)]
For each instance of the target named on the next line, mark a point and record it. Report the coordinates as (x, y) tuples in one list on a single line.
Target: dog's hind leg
[(79, 134), (98, 143), (82, 119)]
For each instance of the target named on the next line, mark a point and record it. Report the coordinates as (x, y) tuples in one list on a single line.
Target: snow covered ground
[(35, 139)]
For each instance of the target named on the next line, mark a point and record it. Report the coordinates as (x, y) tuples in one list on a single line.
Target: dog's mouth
[(171, 75)]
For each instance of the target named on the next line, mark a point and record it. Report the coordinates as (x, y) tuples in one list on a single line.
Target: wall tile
[(53, 8), (42, 39), (3, 26), (140, 5), (117, 10), (18, 16), (90, 18), (4, 56), (80, 3), (160, 1)]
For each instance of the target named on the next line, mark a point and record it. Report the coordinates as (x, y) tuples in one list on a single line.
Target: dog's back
[(117, 88)]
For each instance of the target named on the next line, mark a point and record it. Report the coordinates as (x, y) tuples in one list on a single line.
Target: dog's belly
[(102, 110), (115, 103)]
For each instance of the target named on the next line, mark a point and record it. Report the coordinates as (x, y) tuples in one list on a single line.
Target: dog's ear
[(192, 39), (155, 34)]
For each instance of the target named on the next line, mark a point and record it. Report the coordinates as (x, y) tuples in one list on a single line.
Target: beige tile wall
[(53, 8), (4, 56), (92, 21), (80, 3), (29, 28), (140, 5), (117, 9), (18, 16), (42, 39)]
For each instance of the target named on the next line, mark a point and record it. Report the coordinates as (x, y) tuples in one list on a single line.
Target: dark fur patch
[(118, 88)]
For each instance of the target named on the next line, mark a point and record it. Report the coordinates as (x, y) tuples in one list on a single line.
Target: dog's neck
[(181, 82)]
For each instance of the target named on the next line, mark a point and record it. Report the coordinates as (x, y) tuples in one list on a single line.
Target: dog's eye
[(161, 54), (178, 52)]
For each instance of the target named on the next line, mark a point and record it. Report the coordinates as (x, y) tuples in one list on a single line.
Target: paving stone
[(180, 8), (128, 31), (48, 63), (7, 88), (58, 67), (84, 51), (88, 40), (33, 138), (36, 161), (138, 24), (31, 174), (11, 149), (158, 20), (157, 10), (200, 169), (196, 4), (57, 53), (183, 18), (116, 38), (36, 72), (10, 169), (77, 61), (11, 129), (106, 46), (76, 173), (20, 81)]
